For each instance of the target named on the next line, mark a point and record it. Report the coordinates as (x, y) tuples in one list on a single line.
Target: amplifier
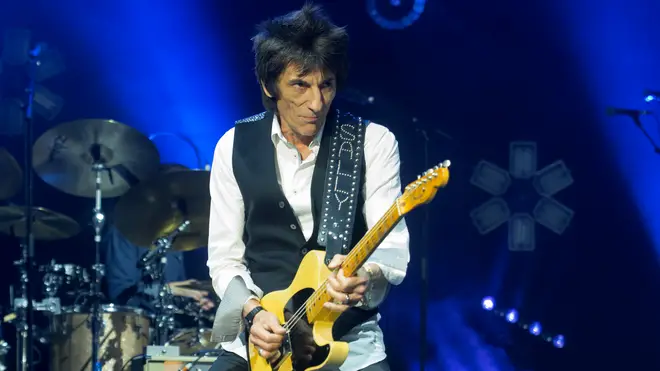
[(165, 363)]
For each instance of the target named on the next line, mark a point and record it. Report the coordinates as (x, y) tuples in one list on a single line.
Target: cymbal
[(11, 175), (200, 286), (47, 225), (158, 206), (64, 155)]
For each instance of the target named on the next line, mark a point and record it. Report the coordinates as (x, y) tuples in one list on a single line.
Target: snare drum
[(124, 335)]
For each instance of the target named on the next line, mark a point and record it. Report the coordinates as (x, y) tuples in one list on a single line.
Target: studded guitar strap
[(342, 186)]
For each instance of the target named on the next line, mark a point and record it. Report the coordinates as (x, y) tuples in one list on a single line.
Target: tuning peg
[(445, 163)]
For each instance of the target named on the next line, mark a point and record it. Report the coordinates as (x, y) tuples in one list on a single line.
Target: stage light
[(535, 329), (16, 46), (521, 233), (512, 316), (51, 63), (491, 178), (399, 24), (522, 159), (488, 303), (552, 179), (47, 103), (553, 215), (547, 182), (40, 62), (490, 215)]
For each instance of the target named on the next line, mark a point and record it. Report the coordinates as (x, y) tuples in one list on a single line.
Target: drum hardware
[(64, 280), (153, 265), (94, 159), (167, 200)]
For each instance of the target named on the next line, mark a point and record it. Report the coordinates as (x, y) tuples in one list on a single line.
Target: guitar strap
[(342, 186)]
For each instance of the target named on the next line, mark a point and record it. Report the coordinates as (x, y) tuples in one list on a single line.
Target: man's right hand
[(266, 332)]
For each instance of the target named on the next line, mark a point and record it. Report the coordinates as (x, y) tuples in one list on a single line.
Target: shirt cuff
[(377, 290), (228, 322)]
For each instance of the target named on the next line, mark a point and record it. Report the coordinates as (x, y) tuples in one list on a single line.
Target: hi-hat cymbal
[(47, 225), (64, 157), (158, 206), (200, 286), (10, 174)]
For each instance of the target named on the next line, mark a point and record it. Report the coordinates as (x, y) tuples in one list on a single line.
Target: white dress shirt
[(382, 186)]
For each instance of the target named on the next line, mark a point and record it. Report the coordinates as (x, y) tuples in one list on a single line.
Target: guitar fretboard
[(357, 257)]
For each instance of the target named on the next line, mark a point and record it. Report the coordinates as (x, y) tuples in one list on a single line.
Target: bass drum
[(124, 335)]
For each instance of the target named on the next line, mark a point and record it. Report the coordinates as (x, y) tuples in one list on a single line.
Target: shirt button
[(281, 204), (293, 226), (304, 251)]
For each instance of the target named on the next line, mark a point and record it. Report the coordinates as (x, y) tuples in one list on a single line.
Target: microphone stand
[(26, 323), (638, 122), (424, 287)]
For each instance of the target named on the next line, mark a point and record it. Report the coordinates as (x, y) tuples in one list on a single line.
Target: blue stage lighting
[(558, 341), (488, 303), (535, 329), (399, 24), (512, 316)]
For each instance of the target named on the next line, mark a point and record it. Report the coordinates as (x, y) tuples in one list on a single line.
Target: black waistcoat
[(275, 244)]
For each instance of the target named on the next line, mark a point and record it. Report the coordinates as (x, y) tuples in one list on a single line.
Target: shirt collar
[(276, 134)]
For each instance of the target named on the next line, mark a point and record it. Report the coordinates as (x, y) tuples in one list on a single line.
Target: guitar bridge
[(285, 352)]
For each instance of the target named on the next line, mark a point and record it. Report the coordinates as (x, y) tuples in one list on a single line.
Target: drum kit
[(160, 211)]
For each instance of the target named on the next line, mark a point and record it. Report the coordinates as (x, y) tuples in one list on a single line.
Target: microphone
[(634, 113), (163, 243)]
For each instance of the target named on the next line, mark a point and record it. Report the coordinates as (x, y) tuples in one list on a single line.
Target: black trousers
[(229, 361)]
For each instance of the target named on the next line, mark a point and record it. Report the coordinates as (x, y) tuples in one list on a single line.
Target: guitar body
[(311, 274)]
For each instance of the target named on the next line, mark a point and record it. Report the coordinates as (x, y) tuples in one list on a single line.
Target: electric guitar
[(313, 273)]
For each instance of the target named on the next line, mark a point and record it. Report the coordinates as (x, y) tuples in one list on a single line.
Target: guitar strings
[(298, 315)]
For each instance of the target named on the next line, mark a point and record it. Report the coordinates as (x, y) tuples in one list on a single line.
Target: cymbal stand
[(98, 221)]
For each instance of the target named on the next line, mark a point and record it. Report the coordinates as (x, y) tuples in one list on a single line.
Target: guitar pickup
[(285, 350)]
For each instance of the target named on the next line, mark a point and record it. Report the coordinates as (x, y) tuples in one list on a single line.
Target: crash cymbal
[(11, 175), (64, 155), (47, 225), (158, 206)]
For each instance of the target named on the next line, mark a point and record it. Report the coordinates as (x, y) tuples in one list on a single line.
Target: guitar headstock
[(423, 190)]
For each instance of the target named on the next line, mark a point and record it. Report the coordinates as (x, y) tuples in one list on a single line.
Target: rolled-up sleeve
[(226, 223), (382, 186)]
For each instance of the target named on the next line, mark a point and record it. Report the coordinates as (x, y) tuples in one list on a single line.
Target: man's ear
[(263, 87)]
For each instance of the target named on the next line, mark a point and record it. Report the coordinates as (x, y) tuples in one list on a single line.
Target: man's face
[(304, 100)]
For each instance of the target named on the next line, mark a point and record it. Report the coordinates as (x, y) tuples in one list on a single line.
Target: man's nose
[(316, 100)]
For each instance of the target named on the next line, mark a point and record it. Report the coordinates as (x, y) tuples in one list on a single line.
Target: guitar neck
[(358, 255), (368, 244)]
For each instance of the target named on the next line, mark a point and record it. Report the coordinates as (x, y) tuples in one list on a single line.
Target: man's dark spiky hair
[(305, 38)]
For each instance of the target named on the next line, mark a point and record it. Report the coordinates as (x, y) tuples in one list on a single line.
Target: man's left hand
[(345, 291)]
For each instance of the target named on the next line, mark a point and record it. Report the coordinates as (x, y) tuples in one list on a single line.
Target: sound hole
[(305, 352)]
